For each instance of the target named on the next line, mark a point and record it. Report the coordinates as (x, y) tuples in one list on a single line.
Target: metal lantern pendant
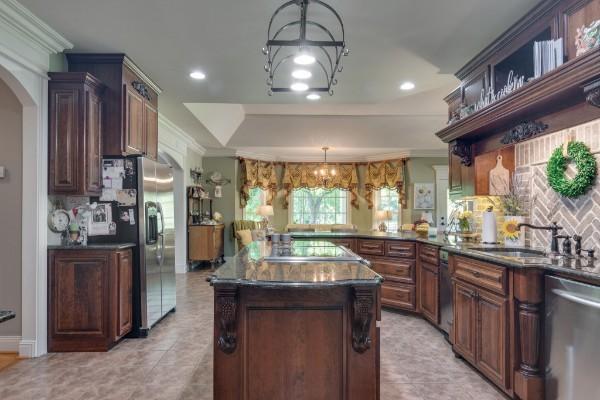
[(304, 55)]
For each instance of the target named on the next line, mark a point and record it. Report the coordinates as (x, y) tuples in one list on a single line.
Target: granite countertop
[(6, 315), (94, 246), (249, 268), (575, 267)]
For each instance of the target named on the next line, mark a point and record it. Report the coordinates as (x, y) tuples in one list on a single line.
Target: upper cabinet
[(505, 96), (75, 120), (131, 117)]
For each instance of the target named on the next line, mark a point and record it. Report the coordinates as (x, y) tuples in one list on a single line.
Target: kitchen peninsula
[(301, 323)]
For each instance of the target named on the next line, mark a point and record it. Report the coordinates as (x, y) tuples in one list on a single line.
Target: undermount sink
[(513, 252)]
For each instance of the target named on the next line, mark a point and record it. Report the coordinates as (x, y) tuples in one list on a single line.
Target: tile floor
[(174, 363)]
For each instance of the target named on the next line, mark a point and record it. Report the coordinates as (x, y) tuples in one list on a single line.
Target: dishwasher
[(571, 350)]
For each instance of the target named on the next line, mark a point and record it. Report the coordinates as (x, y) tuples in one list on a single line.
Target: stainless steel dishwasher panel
[(571, 350)]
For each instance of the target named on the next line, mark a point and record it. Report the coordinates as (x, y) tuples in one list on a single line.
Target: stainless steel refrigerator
[(156, 242)]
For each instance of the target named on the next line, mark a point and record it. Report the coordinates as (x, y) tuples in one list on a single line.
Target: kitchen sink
[(513, 252)]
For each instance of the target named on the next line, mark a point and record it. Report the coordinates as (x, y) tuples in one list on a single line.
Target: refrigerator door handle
[(161, 248)]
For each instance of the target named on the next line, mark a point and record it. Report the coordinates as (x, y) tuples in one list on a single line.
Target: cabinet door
[(465, 309), (124, 287), (429, 292), (492, 348), (64, 140), (93, 142), (78, 292), (135, 137), (151, 120)]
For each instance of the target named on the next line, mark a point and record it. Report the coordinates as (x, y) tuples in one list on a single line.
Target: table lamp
[(265, 212), (382, 216)]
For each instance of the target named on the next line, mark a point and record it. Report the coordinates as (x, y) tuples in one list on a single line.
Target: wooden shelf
[(556, 90)]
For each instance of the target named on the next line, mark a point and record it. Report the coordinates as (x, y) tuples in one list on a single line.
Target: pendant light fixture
[(324, 172), (305, 54)]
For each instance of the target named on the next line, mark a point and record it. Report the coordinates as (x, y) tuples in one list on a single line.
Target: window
[(387, 199), (257, 198), (319, 206)]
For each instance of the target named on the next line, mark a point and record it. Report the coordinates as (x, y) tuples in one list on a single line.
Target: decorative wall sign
[(489, 97), (524, 131), (463, 150), (586, 170)]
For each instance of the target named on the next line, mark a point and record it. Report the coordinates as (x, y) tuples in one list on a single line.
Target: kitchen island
[(297, 324)]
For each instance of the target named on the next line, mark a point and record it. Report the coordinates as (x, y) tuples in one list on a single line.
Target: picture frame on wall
[(424, 196)]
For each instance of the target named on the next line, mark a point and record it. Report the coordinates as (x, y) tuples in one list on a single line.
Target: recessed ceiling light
[(299, 87), (197, 75), (407, 86), (313, 96), (304, 58), (301, 74)]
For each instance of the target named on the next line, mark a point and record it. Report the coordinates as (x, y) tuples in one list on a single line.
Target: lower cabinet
[(429, 293), (206, 242), (89, 298), (480, 331)]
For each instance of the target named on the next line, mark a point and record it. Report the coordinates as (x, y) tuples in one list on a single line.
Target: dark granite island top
[(317, 265), (93, 246), (6, 315), (303, 324)]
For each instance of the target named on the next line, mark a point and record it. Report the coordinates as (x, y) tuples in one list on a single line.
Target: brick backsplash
[(580, 216)]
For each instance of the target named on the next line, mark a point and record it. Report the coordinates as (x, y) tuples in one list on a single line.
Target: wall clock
[(58, 221)]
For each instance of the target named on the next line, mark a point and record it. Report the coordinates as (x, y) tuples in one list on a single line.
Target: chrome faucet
[(554, 228)]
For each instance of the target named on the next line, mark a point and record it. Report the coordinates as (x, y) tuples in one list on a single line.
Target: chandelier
[(303, 55), (324, 172)]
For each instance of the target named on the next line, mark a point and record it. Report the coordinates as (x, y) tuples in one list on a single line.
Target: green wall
[(419, 170), (228, 205)]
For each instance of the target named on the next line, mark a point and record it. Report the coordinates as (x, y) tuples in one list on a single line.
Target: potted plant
[(514, 208)]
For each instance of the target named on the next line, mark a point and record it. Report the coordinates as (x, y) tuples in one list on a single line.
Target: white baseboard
[(27, 348), (181, 268), (9, 344)]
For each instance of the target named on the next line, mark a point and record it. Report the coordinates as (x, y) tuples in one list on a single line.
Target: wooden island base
[(296, 343)]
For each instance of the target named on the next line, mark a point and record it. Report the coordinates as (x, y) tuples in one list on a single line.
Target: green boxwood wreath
[(586, 170)]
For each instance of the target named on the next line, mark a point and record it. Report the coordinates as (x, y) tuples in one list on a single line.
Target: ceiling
[(390, 41)]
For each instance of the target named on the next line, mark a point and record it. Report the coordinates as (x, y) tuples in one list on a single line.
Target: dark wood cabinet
[(132, 103), (89, 298), (480, 329), (75, 134), (429, 292), (395, 260), (461, 177), (464, 325)]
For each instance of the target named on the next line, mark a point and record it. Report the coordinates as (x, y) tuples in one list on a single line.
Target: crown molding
[(136, 70), (185, 137), (226, 152), (32, 29)]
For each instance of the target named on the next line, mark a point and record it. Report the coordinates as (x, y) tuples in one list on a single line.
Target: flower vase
[(513, 237)]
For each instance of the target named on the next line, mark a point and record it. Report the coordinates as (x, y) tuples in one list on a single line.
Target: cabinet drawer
[(484, 275), (395, 270), (397, 295), (400, 249), (371, 247), (348, 243), (429, 254)]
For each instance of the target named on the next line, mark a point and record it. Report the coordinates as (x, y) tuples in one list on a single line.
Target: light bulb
[(304, 58), (407, 86), (197, 75), (301, 74), (299, 87), (313, 96)]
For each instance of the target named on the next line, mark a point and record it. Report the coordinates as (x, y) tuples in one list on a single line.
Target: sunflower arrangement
[(510, 229)]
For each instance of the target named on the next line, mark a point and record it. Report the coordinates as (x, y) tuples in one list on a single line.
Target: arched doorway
[(180, 211)]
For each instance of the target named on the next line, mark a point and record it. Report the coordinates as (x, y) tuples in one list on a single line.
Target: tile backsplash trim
[(580, 216)]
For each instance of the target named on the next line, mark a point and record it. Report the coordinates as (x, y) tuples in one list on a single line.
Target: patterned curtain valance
[(385, 174), (301, 175), (257, 174)]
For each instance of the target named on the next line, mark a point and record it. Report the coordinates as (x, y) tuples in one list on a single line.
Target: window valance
[(385, 174), (301, 175), (257, 174)]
